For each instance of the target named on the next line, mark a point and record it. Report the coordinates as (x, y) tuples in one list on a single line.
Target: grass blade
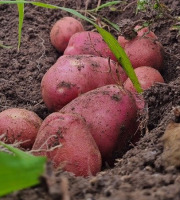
[(21, 19), (108, 4), (19, 170), (4, 46), (115, 26), (121, 56)]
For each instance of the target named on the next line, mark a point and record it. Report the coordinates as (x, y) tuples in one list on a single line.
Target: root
[(46, 148)]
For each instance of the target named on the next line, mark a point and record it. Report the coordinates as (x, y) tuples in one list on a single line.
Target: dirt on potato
[(141, 173)]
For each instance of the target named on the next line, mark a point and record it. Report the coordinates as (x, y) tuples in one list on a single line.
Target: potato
[(145, 32), (73, 75), (145, 52), (66, 140), (19, 125), (90, 43), (122, 41), (62, 30), (147, 77), (141, 32), (110, 112)]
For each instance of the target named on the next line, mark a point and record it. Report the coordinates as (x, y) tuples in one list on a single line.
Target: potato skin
[(110, 112), (62, 30), (90, 43), (19, 125), (122, 41), (78, 154), (147, 77), (145, 52), (144, 32), (74, 75)]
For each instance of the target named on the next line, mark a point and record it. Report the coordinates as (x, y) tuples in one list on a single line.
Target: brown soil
[(140, 173)]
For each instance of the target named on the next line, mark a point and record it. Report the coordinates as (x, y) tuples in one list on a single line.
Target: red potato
[(145, 32), (62, 30), (145, 52), (122, 41), (147, 77), (66, 140), (141, 32), (71, 76), (19, 125), (90, 43), (110, 112)]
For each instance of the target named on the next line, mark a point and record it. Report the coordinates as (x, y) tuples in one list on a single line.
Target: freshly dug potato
[(73, 75), (147, 77), (110, 112), (62, 30), (19, 125), (145, 52), (90, 43), (66, 140), (122, 41), (141, 32), (145, 32)]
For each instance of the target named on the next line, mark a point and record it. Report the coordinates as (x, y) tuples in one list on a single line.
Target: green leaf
[(5, 46), (121, 56), (115, 26), (19, 170), (108, 4), (21, 19), (141, 5)]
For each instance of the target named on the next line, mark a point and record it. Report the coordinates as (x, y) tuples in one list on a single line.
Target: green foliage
[(109, 39), (18, 170), (108, 4), (21, 19), (141, 5)]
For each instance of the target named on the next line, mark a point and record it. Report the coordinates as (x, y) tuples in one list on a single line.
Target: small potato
[(145, 52), (110, 112), (122, 41), (147, 77), (66, 140), (74, 75), (145, 32), (141, 32), (62, 30), (90, 43), (19, 125)]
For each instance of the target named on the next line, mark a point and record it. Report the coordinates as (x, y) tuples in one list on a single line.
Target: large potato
[(66, 140), (19, 125), (71, 76), (110, 112), (62, 30), (90, 43)]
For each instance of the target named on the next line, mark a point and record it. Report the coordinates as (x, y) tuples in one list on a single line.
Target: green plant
[(18, 170)]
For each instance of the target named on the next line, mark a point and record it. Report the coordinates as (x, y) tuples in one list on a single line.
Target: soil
[(141, 172)]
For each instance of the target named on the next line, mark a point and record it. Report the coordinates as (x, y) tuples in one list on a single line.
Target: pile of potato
[(94, 104)]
